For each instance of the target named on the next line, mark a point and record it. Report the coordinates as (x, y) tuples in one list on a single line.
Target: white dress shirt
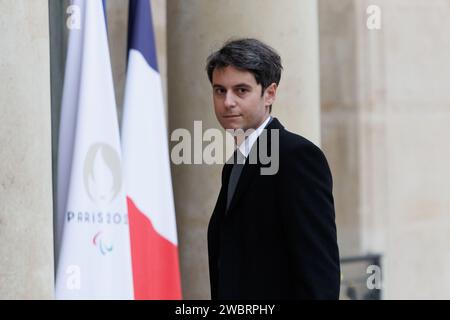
[(247, 144)]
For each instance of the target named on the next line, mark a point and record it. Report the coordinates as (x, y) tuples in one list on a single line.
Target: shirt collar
[(246, 146)]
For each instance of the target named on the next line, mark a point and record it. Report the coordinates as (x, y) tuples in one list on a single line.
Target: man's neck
[(242, 134)]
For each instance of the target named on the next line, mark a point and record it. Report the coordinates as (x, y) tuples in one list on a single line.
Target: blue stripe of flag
[(104, 12), (140, 31)]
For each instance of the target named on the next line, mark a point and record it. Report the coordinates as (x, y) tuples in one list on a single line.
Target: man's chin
[(232, 125)]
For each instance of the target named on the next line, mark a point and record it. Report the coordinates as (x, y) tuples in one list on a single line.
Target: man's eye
[(219, 91), (242, 90)]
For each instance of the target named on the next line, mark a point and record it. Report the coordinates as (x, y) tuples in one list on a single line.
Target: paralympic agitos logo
[(103, 244)]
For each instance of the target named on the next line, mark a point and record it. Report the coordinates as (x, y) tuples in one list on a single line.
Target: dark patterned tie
[(239, 161)]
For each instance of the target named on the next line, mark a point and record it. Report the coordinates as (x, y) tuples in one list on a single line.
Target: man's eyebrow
[(239, 85)]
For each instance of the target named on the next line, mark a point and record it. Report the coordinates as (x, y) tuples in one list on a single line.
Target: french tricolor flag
[(146, 166)]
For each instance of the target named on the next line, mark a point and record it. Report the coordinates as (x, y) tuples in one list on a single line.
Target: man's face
[(238, 103)]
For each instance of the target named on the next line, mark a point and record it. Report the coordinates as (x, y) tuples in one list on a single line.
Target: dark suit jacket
[(278, 238)]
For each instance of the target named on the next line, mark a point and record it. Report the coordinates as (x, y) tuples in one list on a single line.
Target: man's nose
[(230, 100)]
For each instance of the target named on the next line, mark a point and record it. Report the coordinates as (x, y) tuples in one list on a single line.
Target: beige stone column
[(26, 219), (195, 29), (385, 118), (340, 114), (408, 217)]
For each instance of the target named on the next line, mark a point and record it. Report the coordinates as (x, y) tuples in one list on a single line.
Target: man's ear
[(270, 94)]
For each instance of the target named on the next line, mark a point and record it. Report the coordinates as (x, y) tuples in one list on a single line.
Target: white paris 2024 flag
[(93, 239)]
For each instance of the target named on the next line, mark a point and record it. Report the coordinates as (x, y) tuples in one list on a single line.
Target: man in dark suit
[(271, 235)]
